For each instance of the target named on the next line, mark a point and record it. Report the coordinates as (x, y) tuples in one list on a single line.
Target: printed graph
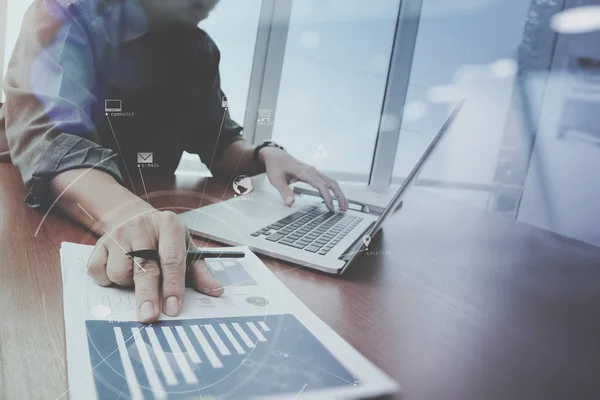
[(225, 358), (230, 272)]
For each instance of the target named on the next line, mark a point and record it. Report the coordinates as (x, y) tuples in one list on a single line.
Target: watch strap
[(266, 143)]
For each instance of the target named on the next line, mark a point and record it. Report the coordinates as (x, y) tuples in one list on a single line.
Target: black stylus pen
[(191, 254)]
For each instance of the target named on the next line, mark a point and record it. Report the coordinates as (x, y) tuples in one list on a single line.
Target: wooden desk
[(461, 304)]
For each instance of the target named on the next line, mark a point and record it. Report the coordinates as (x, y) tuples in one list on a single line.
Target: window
[(331, 76), (461, 53), (332, 83)]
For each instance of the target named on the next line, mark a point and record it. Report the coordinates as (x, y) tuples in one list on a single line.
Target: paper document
[(255, 341)]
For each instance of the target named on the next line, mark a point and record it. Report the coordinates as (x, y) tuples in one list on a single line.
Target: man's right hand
[(127, 223), (153, 229)]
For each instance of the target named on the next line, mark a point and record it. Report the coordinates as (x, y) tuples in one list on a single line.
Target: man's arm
[(50, 88), (237, 159), (281, 168), (220, 146), (95, 199)]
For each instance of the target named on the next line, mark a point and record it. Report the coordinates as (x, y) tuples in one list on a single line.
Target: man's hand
[(282, 169), (127, 223), (109, 263)]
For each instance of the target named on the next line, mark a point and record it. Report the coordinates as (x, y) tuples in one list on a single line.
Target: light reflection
[(414, 111), (503, 68), (444, 93), (577, 20)]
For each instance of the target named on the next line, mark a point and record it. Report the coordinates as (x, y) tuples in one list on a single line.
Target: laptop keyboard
[(311, 229)]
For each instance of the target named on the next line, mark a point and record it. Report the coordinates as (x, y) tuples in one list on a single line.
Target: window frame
[(398, 79)]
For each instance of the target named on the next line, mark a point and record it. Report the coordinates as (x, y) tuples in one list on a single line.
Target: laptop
[(307, 233)]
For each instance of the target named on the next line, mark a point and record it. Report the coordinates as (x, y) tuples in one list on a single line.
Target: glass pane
[(527, 143), (464, 50), (333, 82)]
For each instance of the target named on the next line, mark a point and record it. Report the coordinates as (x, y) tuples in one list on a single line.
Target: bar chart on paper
[(224, 358), (230, 272)]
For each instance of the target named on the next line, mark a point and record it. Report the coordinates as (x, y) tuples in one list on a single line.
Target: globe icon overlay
[(242, 184)]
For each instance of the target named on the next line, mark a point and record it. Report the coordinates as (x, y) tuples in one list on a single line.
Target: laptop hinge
[(355, 246)]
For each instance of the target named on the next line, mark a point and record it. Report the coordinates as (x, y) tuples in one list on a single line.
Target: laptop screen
[(395, 202)]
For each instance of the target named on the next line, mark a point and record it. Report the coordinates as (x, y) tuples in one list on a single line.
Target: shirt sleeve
[(49, 88)]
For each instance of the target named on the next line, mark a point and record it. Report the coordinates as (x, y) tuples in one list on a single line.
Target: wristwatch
[(266, 143)]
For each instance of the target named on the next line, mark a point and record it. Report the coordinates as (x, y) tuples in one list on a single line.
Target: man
[(72, 56)]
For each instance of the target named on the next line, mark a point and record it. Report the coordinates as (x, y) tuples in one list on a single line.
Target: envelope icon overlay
[(145, 158)]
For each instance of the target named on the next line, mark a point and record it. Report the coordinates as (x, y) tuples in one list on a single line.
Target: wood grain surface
[(452, 302)]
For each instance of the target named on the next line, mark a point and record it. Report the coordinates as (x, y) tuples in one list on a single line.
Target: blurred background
[(339, 80)]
